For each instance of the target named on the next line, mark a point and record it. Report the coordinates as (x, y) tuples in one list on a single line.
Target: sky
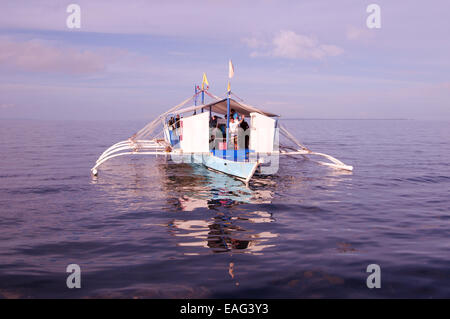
[(301, 59)]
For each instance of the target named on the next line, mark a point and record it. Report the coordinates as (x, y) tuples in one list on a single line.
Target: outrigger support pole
[(304, 151), (130, 147), (335, 163)]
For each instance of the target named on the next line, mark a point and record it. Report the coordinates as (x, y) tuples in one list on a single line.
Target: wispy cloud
[(41, 56), (291, 45), (6, 105), (362, 34)]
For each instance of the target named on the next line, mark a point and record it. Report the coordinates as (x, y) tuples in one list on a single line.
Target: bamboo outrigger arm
[(304, 151), (132, 147), (335, 163)]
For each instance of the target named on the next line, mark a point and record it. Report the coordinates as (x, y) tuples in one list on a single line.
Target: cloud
[(359, 34), (6, 105), (40, 56), (445, 85), (290, 45), (255, 43)]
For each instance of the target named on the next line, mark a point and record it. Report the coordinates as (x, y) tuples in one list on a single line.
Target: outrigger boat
[(185, 135)]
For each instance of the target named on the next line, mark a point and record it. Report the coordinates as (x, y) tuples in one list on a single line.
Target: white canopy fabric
[(220, 107)]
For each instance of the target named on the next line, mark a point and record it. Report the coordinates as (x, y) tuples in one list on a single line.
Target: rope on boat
[(286, 150), (213, 96), (291, 137), (150, 127), (147, 130), (232, 93)]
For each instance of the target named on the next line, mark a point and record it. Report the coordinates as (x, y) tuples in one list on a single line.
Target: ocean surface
[(148, 228)]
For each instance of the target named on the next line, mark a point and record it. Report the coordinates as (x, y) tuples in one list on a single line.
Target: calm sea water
[(148, 228)]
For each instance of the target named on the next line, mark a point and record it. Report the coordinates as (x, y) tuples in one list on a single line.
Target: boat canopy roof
[(220, 107)]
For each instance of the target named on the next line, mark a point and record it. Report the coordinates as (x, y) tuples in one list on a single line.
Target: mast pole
[(230, 75), (228, 113)]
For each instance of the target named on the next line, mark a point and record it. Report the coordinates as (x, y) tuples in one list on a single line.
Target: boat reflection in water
[(221, 235), (202, 209), (230, 220)]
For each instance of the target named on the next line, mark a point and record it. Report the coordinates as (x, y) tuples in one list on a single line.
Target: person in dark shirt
[(244, 125), (171, 128), (213, 122), (171, 122)]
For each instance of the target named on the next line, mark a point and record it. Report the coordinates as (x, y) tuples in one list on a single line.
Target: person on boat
[(213, 126), (244, 125), (171, 127), (234, 125), (234, 114), (223, 126), (216, 137), (176, 128), (213, 121)]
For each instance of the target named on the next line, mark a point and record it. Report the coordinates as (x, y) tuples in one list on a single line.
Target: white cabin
[(197, 132)]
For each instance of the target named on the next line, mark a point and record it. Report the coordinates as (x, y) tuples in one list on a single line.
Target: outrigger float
[(185, 134)]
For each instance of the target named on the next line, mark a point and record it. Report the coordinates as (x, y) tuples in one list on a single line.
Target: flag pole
[(204, 81), (195, 91)]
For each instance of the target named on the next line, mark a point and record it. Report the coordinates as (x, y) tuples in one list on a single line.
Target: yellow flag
[(230, 69), (229, 87), (204, 81)]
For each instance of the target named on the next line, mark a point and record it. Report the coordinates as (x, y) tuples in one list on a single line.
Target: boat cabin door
[(262, 133), (194, 134)]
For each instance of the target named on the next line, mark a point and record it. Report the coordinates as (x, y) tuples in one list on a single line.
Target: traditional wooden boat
[(202, 133)]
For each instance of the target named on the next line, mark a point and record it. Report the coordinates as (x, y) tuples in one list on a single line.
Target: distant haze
[(301, 59)]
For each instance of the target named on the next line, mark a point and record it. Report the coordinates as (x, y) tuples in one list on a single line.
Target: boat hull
[(241, 170)]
